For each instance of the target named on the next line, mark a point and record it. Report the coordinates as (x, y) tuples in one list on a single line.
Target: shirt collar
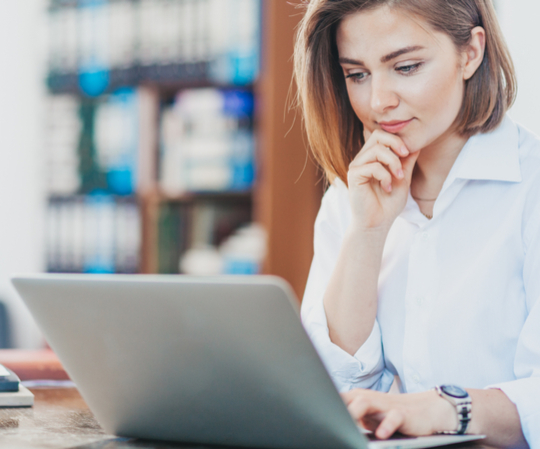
[(493, 156)]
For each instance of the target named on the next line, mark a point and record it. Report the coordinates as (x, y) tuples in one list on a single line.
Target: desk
[(61, 419)]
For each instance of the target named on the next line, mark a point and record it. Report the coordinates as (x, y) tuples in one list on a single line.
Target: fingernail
[(403, 150), (400, 174)]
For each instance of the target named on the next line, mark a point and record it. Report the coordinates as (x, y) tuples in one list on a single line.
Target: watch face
[(454, 391)]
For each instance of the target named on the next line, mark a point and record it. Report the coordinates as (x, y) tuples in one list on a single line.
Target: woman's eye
[(356, 77), (406, 69)]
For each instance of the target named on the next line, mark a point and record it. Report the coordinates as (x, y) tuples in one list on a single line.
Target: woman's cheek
[(360, 108), (442, 94)]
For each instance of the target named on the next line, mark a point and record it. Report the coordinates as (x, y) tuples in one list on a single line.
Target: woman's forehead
[(373, 34)]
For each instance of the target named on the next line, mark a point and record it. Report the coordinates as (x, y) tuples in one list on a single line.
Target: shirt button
[(420, 300), (416, 378), (425, 235)]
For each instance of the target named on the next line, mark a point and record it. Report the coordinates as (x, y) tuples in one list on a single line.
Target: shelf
[(188, 197), (81, 196), (169, 77), (191, 197)]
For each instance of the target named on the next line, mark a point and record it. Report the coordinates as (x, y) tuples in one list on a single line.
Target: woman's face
[(402, 76)]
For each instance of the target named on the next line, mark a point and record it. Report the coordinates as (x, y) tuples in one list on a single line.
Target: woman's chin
[(412, 146)]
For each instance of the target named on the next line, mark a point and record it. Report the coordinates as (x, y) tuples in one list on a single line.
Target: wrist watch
[(461, 400)]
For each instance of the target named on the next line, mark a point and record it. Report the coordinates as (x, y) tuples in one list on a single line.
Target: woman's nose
[(383, 96)]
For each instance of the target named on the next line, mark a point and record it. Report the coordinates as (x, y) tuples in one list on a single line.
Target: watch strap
[(463, 409)]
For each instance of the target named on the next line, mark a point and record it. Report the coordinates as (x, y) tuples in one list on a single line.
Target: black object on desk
[(9, 382), (5, 340)]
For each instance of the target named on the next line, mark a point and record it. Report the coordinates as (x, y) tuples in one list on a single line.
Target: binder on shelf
[(207, 142), (93, 234), (127, 234), (106, 44), (172, 236), (116, 140), (93, 45), (223, 240), (63, 128), (93, 144)]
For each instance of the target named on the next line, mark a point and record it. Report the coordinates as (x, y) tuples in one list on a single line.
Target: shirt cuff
[(363, 370), (525, 394)]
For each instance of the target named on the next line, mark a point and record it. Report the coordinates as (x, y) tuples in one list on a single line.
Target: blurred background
[(155, 136)]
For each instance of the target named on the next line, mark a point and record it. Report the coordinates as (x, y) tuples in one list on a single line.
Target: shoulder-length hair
[(334, 132)]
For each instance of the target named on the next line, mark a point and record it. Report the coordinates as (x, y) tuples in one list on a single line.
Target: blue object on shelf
[(120, 181), (240, 266), (120, 160), (238, 103), (242, 161), (94, 71), (239, 68), (245, 67), (94, 82), (100, 248)]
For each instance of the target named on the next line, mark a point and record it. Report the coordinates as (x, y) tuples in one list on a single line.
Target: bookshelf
[(285, 194)]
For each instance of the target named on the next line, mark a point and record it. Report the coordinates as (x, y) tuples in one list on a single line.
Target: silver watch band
[(463, 407)]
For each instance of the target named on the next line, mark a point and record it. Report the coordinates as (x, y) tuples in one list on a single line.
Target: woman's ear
[(474, 53)]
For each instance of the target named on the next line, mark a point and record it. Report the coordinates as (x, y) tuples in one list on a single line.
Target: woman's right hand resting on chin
[(379, 179)]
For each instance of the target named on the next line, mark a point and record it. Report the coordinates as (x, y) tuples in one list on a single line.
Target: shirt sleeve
[(366, 368), (524, 392)]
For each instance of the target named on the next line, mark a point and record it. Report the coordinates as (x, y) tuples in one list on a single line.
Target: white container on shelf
[(202, 261), (244, 251)]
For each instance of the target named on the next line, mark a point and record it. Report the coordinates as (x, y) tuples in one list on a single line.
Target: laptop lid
[(220, 360)]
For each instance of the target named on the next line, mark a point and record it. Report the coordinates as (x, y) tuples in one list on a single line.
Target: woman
[(427, 244)]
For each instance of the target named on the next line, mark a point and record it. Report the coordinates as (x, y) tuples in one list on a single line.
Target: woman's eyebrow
[(386, 58), (400, 52)]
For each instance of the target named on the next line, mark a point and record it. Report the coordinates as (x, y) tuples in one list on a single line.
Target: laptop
[(215, 361)]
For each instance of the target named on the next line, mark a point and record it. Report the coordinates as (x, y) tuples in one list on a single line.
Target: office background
[(246, 205)]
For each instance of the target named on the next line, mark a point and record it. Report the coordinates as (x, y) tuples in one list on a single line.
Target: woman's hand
[(417, 414), (379, 180), (412, 414)]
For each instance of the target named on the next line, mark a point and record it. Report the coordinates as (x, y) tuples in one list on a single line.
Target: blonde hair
[(334, 132)]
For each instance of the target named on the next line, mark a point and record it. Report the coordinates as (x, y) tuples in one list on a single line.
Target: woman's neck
[(433, 166)]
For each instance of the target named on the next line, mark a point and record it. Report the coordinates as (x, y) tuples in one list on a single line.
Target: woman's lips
[(395, 126)]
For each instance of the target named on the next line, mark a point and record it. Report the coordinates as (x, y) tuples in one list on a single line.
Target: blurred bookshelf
[(167, 147)]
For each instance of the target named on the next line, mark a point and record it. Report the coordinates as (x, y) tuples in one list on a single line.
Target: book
[(21, 398)]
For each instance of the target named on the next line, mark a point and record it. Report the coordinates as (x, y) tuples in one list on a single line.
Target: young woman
[(427, 244)]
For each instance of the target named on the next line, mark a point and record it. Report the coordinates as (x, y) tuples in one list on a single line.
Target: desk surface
[(61, 419)]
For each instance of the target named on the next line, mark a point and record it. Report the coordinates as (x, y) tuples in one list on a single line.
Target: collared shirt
[(458, 295)]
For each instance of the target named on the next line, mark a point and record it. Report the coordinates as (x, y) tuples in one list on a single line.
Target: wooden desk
[(61, 419)]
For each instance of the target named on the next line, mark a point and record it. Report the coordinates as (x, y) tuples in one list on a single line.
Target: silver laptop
[(220, 360)]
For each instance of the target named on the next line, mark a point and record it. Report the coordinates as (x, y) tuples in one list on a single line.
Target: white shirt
[(458, 295)]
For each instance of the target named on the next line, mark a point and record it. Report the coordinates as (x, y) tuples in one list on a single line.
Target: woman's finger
[(367, 135), (359, 407), (385, 156), (366, 173), (408, 164), (395, 143), (391, 423), (392, 141), (348, 396)]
